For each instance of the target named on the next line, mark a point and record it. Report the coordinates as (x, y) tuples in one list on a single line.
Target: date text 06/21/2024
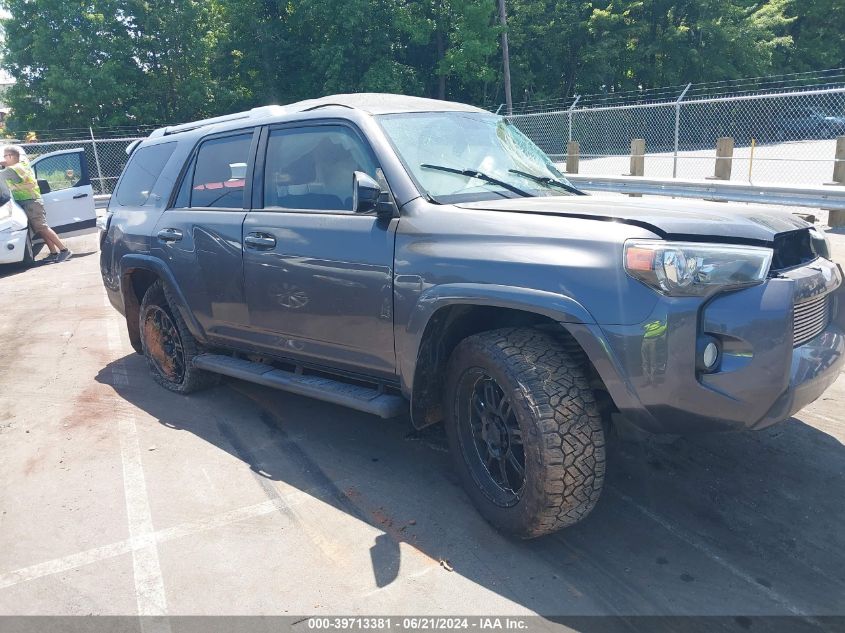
[(422, 623)]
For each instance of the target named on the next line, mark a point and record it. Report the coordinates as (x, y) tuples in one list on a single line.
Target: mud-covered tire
[(553, 410), (168, 345)]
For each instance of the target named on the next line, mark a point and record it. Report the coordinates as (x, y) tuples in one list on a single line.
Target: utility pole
[(503, 19)]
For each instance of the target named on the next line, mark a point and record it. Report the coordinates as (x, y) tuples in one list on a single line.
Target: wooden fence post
[(637, 161), (724, 158), (837, 217), (637, 157), (573, 152)]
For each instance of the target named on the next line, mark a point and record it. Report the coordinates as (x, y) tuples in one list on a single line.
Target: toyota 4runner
[(396, 254)]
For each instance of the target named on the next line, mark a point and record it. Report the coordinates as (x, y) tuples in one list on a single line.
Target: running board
[(364, 399)]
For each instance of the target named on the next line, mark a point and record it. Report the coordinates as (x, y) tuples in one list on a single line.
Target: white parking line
[(184, 530), (59, 565), (149, 583)]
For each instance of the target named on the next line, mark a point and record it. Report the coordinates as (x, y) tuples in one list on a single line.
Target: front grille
[(811, 317)]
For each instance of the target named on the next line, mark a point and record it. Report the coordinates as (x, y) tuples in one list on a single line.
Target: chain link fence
[(784, 131), (782, 136)]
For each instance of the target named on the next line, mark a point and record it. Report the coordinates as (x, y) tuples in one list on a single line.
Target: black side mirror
[(365, 193), (44, 186)]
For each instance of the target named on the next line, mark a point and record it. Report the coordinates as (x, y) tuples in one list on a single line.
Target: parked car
[(395, 254), (808, 123), (68, 200)]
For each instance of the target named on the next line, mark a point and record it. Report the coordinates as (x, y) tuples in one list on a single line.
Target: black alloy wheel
[(168, 344), (164, 345), (491, 438), (524, 429)]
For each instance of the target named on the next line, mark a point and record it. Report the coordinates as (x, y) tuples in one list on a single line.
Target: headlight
[(683, 269), (13, 225), (821, 245), (14, 222)]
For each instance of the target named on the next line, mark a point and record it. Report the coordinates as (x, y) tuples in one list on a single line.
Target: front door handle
[(260, 241), (170, 235), (80, 195)]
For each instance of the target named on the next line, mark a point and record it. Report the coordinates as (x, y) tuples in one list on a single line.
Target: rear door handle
[(170, 235), (80, 195), (260, 241)]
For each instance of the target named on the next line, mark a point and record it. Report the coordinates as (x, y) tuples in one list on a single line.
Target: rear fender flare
[(130, 264)]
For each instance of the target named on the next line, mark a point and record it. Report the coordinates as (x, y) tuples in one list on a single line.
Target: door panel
[(202, 248), (317, 276), (200, 238), (323, 291), (70, 201)]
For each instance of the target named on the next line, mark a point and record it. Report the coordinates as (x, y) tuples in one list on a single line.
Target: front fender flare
[(568, 312), (409, 340), (558, 307)]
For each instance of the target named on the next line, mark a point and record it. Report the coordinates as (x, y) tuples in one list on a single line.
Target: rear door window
[(220, 172), (141, 174)]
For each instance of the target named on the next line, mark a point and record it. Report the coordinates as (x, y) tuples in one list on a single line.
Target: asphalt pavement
[(121, 498)]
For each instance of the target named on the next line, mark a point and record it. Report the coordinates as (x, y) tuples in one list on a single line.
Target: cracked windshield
[(466, 156)]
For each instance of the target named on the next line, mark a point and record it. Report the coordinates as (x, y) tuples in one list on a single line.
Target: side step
[(356, 397)]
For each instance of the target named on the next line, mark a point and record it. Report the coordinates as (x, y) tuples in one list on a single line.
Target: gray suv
[(396, 254)]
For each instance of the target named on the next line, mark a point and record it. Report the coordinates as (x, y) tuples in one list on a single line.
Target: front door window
[(312, 168)]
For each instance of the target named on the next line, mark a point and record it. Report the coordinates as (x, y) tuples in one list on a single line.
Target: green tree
[(564, 46), (462, 41), (548, 39), (816, 29), (355, 45), (173, 42), (654, 43), (72, 62), (108, 62), (257, 59)]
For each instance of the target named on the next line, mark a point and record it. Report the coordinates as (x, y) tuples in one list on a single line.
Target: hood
[(12, 217), (669, 218)]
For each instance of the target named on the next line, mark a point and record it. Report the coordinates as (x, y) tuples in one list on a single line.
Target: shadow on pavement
[(734, 525), (7, 270)]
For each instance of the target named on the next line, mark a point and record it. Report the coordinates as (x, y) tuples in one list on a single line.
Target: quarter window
[(220, 172), (312, 168), (141, 174)]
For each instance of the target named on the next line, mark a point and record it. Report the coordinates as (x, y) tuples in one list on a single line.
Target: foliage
[(110, 62)]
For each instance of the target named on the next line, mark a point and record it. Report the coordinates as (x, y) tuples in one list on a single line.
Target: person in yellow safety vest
[(20, 178)]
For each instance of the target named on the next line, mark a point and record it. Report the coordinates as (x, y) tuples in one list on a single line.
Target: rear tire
[(168, 345), (524, 430)]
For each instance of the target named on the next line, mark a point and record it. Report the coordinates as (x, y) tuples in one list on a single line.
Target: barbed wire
[(769, 84), (74, 133)]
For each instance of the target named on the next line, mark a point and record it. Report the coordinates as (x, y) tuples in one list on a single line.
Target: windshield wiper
[(545, 180), (472, 173)]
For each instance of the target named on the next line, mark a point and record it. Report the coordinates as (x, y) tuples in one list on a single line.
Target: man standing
[(24, 187)]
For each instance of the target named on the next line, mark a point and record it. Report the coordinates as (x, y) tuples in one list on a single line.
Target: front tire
[(168, 345), (524, 430)]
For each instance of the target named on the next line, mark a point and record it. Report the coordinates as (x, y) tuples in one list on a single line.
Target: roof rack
[(255, 113)]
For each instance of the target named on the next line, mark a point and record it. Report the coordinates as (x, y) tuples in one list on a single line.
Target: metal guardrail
[(829, 198), (832, 198)]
